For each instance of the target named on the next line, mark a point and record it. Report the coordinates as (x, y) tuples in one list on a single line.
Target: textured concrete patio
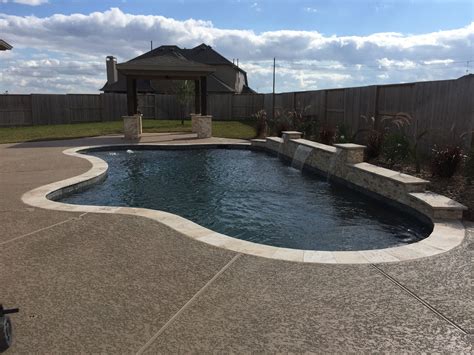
[(125, 284)]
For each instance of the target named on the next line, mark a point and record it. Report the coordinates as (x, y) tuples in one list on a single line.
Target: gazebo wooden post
[(197, 97), (132, 124), (132, 102), (203, 96)]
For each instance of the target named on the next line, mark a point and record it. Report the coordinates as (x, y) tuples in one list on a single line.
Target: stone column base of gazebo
[(132, 127), (202, 125)]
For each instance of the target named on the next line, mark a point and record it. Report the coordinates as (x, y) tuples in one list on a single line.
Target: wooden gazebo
[(172, 66)]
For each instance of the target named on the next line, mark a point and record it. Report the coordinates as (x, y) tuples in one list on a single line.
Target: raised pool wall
[(345, 162)]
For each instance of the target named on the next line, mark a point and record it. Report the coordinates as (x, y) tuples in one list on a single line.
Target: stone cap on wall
[(275, 139), (287, 135), (316, 145), (349, 146), (391, 174), (436, 201)]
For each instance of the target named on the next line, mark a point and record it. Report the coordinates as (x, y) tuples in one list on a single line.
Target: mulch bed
[(457, 187)]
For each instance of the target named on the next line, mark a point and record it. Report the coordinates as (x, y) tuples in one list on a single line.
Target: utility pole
[(151, 45), (273, 95)]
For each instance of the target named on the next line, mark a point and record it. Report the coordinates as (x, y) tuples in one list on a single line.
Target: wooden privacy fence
[(46, 109), (443, 108)]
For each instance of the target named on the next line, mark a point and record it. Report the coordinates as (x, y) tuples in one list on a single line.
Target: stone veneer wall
[(346, 162)]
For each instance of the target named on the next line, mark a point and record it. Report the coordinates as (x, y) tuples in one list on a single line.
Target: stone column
[(350, 153), (132, 127), (202, 125), (287, 135)]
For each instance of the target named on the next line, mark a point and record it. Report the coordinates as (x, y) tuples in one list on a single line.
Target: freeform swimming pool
[(251, 196)]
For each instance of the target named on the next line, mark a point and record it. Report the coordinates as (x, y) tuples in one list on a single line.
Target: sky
[(60, 46)]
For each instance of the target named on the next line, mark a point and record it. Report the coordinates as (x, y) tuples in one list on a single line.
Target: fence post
[(376, 108), (325, 107)]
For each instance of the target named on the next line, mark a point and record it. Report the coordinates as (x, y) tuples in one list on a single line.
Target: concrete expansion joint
[(405, 289), (187, 304), (40, 230)]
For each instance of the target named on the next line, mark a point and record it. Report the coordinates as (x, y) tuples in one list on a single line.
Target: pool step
[(438, 206)]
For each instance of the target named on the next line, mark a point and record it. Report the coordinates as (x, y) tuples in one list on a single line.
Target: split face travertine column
[(202, 125), (132, 127)]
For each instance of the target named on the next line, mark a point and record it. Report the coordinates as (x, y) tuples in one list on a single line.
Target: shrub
[(342, 135), (376, 128), (283, 123), (309, 127), (374, 144), (327, 135), (302, 122), (445, 161), (261, 123), (396, 148)]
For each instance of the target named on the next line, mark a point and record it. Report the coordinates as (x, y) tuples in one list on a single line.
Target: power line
[(359, 67)]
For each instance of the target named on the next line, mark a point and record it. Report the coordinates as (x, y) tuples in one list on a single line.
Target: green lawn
[(226, 129)]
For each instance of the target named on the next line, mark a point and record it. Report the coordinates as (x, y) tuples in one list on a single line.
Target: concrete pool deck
[(109, 283)]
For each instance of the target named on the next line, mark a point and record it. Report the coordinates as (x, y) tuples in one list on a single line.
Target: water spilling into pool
[(301, 155), (252, 196)]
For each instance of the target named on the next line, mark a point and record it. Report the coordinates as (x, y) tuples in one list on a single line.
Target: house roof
[(4, 46), (201, 54), (205, 54), (217, 85), (248, 90)]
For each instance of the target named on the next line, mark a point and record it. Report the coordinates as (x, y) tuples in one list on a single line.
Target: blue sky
[(343, 17), (318, 44)]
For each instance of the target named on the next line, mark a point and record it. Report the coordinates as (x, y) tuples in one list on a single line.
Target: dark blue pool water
[(252, 196)]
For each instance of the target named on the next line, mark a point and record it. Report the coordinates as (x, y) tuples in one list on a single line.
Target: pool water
[(251, 196)]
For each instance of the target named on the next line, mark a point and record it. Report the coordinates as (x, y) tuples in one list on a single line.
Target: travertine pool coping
[(446, 234)]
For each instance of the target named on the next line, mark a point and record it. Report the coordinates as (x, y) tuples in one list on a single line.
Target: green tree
[(185, 95)]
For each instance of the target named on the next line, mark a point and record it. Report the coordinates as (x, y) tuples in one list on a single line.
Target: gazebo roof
[(4, 46), (169, 66)]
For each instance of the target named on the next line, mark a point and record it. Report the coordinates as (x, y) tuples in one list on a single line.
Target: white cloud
[(401, 64), (310, 9), (438, 61), (256, 7), (27, 2), (306, 59)]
